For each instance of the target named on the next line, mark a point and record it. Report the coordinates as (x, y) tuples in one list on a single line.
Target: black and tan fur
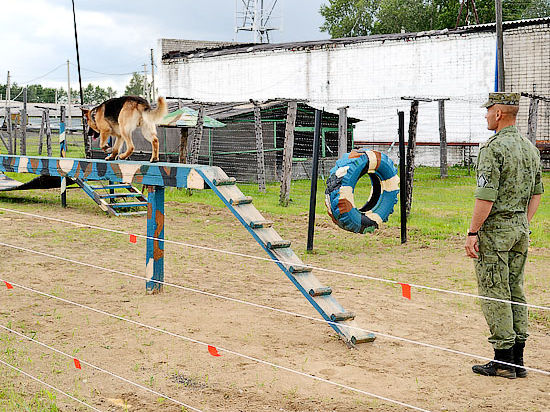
[(119, 117)]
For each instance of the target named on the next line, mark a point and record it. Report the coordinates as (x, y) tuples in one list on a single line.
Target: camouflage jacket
[(509, 173)]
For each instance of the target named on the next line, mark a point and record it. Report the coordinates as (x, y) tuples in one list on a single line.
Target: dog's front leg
[(103, 137)]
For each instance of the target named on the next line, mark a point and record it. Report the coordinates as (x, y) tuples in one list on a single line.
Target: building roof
[(223, 111), (328, 43)]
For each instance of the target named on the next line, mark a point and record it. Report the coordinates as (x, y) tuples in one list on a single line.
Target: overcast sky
[(115, 36)]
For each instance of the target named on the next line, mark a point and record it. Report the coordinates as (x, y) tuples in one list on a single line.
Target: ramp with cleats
[(278, 249)]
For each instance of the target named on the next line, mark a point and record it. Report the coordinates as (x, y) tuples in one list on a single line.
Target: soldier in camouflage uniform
[(508, 193)]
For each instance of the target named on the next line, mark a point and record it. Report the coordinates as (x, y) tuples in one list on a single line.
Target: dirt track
[(420, 376)]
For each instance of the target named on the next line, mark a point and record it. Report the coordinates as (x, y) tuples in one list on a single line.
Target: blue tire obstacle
[(157, 176), (339, 197)]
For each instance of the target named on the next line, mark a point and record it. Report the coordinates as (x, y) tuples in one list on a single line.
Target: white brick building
[(371, 74)]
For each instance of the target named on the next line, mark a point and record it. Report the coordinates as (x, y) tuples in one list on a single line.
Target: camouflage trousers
[(499, 269)]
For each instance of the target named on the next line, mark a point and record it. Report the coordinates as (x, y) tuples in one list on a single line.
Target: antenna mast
[(255, 16)]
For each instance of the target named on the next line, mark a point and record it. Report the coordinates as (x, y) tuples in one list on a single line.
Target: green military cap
[(511, 99)]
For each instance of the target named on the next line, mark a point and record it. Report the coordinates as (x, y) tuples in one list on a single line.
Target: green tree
[(135, 86), (348, 18)]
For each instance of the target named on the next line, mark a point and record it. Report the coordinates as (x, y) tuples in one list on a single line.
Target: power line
[(99, 369), (49, 386), (221, 349), (227, 252), (257, 305)]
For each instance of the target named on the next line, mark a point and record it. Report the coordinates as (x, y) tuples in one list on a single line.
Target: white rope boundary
[(257, 305), (49, 386), (99, 369), (395, 282), (229, 351)]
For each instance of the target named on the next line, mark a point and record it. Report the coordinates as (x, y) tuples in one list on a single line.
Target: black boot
[(496, 368), (518, 359)]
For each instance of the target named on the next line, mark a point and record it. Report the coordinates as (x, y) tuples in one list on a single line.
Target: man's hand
[(472, 246)]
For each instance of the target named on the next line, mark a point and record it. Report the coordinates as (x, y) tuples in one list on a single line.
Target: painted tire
[(341, 185)]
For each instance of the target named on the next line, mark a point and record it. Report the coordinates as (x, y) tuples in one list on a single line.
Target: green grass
[(441, 208)]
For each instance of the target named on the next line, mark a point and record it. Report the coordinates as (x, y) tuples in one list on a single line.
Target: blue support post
[(155, 247)]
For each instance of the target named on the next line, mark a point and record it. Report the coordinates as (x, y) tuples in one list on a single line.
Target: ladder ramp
[(319, 295), (111, 200)]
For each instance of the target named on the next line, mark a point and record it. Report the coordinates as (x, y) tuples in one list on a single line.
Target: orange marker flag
[(133, 239), (406, 289), (213, 351), (77, 364), (8, 285)]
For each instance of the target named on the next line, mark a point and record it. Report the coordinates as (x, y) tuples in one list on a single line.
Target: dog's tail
[(156, 115)]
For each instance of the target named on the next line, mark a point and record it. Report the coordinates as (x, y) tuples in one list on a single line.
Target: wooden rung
[(278, 244), (224, 182), (362, 337), (258, 224), (242, 201), (130, 204), (299, 269), (320, 291), (114, 186), (338, 317)]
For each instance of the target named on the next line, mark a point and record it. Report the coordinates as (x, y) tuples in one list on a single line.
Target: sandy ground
[(185, 371)]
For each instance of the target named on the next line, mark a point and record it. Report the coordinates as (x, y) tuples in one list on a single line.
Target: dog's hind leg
[(128, 121), (149, 131)]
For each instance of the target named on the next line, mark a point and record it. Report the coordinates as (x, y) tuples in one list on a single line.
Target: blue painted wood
[(122, 171), (155, 229)]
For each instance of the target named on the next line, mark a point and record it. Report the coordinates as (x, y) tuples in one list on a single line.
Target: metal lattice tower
[(255, 16)]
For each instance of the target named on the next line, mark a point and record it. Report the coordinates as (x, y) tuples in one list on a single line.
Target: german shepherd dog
[(119, 117)]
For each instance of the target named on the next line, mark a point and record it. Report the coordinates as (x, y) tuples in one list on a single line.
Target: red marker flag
[(133, 239), (213, 351), (77, 364), (406, 289), (8, 285)]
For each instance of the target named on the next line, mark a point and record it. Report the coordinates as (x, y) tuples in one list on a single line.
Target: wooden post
[(442, 140), (532, 120), (41, 133), (24, 124), (197, 137), (9, 130), (500, 47), (288, 152), (154, 264), (413, 120), (402, 177), (342, 131), (63, 153), (314, 174), (48, 134), (260, 159), (184, 134)]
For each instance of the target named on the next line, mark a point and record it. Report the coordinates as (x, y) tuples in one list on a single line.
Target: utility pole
[(153, 94), (500, 47), (8, 89), (145, 81), (69, 96)]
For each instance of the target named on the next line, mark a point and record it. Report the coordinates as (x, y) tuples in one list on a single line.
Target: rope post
[(532, 120), (411, 147), (63, 153), (288, 151), (314, 175), (442, 140), (260, 158), (197, 137), (342, 131), (402, 177), (154, 263), (23, 149)]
